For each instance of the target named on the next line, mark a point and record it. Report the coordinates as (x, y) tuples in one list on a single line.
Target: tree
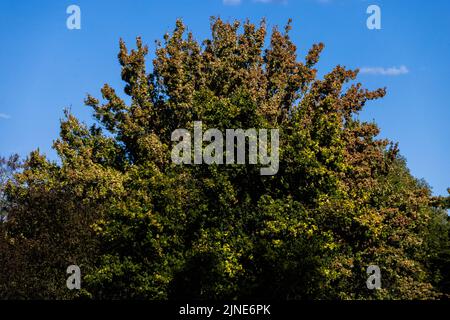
[(8, 166), (144, 227)]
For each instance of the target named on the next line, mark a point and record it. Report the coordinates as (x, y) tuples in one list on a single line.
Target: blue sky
[(46, 67)]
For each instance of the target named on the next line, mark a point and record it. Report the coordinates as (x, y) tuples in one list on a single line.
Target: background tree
[(8, 166)]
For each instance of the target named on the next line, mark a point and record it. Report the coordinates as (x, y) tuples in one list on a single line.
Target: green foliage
[(142, 227)]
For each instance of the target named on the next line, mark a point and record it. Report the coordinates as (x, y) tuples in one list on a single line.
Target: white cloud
[(270, 1), (4, 116), (392, 71), (237, 2), (231, 2)]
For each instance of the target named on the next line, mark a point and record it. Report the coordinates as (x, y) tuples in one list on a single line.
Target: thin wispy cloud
[(231, 2), (392, 71), (237, 2), (270, 1), (4, 116)]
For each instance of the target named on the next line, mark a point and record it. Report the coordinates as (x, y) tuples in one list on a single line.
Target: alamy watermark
[(73, 22), (374, 20), (374, 280), (74, 280), (235, 147)]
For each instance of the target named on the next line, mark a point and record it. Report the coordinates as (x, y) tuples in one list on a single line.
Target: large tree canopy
[(140, 226)]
